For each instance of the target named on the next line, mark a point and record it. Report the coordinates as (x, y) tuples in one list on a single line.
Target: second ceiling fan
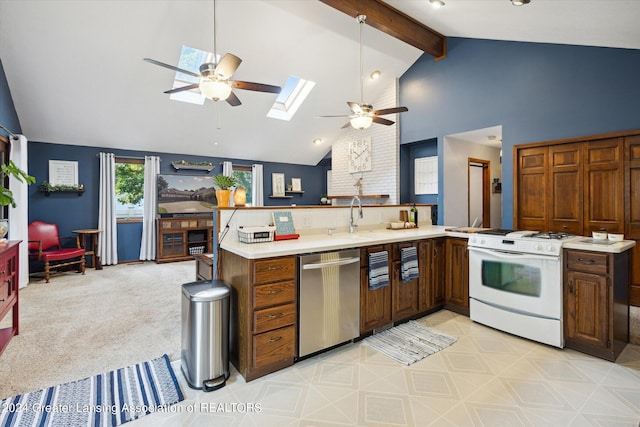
[(364, 114), (215, 79)]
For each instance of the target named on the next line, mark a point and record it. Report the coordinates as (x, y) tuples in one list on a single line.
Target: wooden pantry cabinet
[(263, 320), (596, 307), (581, 185)]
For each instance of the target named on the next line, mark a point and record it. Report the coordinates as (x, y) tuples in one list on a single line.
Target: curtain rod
[(13, 135), (127, 157)]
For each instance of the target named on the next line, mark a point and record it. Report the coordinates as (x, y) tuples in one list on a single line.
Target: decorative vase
[(4, 229), (240, 196), (223, 197)]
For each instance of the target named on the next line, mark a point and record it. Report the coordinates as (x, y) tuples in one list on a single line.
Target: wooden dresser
[(9, 283)]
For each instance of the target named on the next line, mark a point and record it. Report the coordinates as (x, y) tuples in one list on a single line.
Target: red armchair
[(44, 246)]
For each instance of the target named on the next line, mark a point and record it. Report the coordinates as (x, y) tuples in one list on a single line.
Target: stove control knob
[(482, 241), (472, 240), (551, 248), (539, 247)]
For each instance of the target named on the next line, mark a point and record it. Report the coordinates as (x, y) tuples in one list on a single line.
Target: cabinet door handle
[(587, 261), (564, 227), (570, 287), (275, 316), (275, 291), (272, 340), (276, 267)]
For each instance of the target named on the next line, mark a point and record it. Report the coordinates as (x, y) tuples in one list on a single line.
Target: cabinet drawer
[(272, 270), (274, 318), (588, 262), (274, 346), (274, 294)]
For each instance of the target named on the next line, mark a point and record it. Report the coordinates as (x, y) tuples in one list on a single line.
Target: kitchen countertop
[(336, 241), (589, 244)]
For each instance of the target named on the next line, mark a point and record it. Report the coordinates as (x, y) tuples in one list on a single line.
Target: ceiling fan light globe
[(361, 122), (215, 89)]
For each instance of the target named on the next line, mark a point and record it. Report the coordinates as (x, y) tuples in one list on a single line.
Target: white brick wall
[(383, 176)]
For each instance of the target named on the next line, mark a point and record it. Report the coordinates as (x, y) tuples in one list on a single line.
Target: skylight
[(190, 60), (293, 94)]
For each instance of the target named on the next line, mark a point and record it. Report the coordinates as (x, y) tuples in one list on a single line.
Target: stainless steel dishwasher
[(329, 310)]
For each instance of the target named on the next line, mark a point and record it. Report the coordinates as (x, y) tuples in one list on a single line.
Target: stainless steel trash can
[(205, 334)]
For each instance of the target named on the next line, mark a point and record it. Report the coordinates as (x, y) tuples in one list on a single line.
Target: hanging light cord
[(361, 19)]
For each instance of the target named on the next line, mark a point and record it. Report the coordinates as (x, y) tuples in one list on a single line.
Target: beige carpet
[(77, 326)]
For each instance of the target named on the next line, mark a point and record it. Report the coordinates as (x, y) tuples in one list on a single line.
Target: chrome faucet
[(352, 224)]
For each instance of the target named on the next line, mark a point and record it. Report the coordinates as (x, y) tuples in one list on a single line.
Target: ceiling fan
[(215, 79), (364, 114)]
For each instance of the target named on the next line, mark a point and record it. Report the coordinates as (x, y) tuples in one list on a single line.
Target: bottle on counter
[(413, 215)]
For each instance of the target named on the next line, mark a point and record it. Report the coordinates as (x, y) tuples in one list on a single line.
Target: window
[(129, 188), (293, 94), (244, 177), (190, 60)]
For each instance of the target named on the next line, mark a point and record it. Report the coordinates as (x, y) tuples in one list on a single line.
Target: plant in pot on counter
[(225, 183)]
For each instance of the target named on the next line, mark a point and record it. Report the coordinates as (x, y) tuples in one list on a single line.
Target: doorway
[(479, 193)]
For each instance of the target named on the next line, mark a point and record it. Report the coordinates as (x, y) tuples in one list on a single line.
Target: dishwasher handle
[(345, 261)]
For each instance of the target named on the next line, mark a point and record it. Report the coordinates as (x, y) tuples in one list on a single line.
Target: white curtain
[(257, 186), (108, 240), (148, 244), (19, 216)]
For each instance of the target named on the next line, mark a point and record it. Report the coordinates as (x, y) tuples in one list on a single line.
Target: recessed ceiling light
[(317, 141), (520, 2), (375, 75), (436, 3)]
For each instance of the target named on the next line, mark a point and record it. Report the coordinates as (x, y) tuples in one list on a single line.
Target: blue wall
[(537, 92), (8, 116), (71, 211)]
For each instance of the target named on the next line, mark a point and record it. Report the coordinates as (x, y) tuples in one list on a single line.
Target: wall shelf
[(271, 196), (293, 192), (179, 165), (47, 193)]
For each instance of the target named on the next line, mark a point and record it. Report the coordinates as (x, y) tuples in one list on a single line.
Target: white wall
[(455, 180), (383, 176)]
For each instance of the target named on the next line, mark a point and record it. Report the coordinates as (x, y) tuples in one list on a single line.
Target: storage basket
[(195, 250), (256, 234)]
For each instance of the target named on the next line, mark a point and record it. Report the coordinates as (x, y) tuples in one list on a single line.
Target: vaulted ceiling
[(77, 77)]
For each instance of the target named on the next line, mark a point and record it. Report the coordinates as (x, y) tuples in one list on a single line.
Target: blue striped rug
[(108, 399)]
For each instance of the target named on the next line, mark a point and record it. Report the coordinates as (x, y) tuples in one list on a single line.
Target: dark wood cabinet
[(591, 184), (632, 211), (404, 294), (604, 186), (431, 253), (457, 276), (179, 239), (596, 308), (375, 304), (9, 284), (566, 189), (531, 197), (263, 313)]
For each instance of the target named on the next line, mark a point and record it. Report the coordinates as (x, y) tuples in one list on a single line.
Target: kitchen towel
[(378, 270), (409, 263)]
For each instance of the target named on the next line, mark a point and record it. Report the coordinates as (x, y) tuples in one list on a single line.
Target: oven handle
[(510, 255)]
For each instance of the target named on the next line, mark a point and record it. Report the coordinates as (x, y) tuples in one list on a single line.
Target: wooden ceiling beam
[(395, 23)]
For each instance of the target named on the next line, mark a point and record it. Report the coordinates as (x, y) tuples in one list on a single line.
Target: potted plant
[(224, 193)]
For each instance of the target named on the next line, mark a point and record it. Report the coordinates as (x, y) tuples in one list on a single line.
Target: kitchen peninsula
[(264, 277)]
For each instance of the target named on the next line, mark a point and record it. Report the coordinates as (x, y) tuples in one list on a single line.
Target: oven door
[(525, 283)]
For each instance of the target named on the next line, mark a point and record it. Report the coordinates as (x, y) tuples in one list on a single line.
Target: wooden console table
[(9, 284), (92, 248)]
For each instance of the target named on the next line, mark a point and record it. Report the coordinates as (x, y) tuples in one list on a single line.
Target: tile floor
[(487, 378)]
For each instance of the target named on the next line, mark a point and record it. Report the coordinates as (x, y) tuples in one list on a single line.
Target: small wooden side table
[(92, 248), (204, 266)]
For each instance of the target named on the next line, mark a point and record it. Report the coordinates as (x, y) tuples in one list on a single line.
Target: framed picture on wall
[(277, 184), (63, 172), (296, 184)]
